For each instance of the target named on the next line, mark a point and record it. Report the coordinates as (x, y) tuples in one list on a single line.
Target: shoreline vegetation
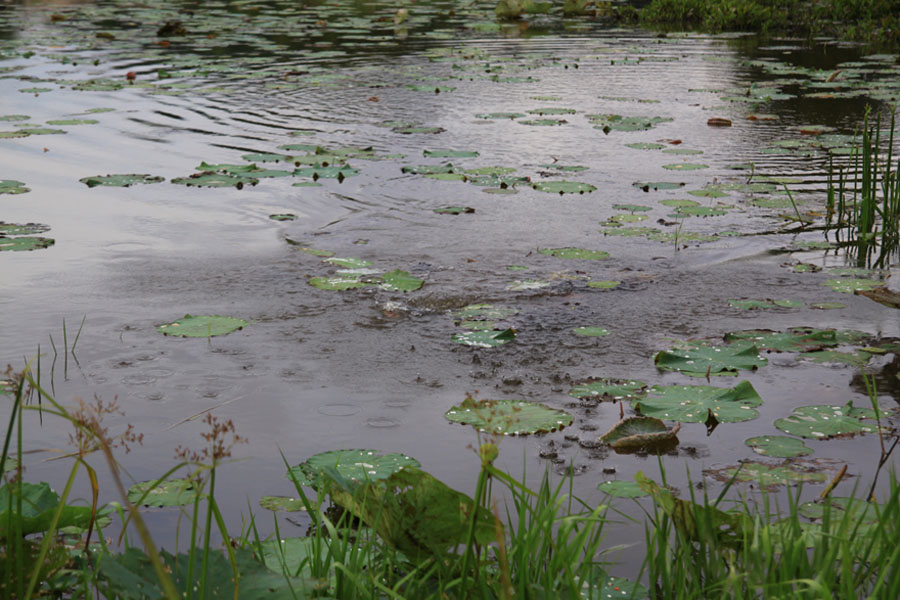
[(380, 527), (872, 22)]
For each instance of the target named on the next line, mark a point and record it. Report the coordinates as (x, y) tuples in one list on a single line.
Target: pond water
[(374, 367)]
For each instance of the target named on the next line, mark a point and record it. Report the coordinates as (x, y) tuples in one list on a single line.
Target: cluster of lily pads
[(23, 236)]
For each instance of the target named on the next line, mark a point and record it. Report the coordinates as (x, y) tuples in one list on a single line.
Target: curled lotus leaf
[(609, 389), (633, 433), (484, 339), (508, 417), (696, 403), (202, 326), (355, 465), (20, 244), (767, 475), (121, 180), (563, 187), (703, 360), (575, 253), (828, 421), (779, 446)]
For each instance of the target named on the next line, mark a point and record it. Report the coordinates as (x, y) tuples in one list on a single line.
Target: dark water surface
[(318, 370)]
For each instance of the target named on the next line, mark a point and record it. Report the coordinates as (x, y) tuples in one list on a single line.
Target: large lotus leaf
[(798, 339), (131, 576), (484, 339), (575, 253), (851, 285), (640, 432), (39, 505), (484, 312), (622, 489), (400, 281), (202, 326), (11, 186), (291, 556), (695, 403), (508, 417), (855, 359), (121, 180), (170, 492), (767, 475), (826, 421), (353, 465), (413, 512), (609, 389), (19, 244), (779, 446), (563, 187), (213, 179), (22, 228), (702, 361)]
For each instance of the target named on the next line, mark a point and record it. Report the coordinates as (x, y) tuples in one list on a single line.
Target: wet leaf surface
[(171, 492), (695, 403), (778, 446), (702, 360), (575, 253), (827, 421), (202, 326), (121, 180), (508, 417), (355, 465), (634, 433)]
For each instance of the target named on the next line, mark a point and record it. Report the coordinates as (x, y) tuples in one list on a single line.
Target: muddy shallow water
[(319, 369)]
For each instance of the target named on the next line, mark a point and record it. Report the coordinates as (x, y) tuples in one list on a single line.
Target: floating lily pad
[(699, 211), (5, 135), (283, 217), (212, 179), (563, 187), (500, 115), (11, 186), (604, 285), (779, 446), (339, 173), (484, 312), (695, 403), (400, 281), (454, 210), (632, 207), (828, 305), (856, 359), (575, 253), (657, 185), (632, 433), (355, 465), (427, 169), (859, 510), (768, 476), (851, 285), (21, 244), (591, 331), (22, 228), (484, 339), (202, 326), (798, 339), (543, 122), (825, 421), (508, 417), (170, 492), (41, 131), (552, 110), (121, 180), (708, 193), (564, 168), (747, 304), (265, 157), (683, 151), (348, 263), (702, 360), (646, 146), (9, 118), (415, 130), (685, 167), (629, 218), (622, 489), (338, 282), (451, 153), (496, 170), (63, 122), (611, 390), (277, 503), (679, 203)]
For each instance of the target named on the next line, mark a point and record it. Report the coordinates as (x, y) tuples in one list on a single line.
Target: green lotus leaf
[(432, 89), (622, 489), (828, 305), (646, 146), (774, 202), (277, 503), (355, 465), (484, 312), (564, 168), (575, 253), (339, 282), (39, 505), (491, 171), (543, 122), (169, 492), (11, 186), (508, 417), (685, 167), (9, 118), (484, 339), (746, 304), (679, 203), (609, 389), (447, 176), (855, 359), (212, 179), (454, 210), (290, 555), (121, 180), (552, 110), (400, 281), (41, 131), (563, 187), (779, 446), (851, 285), (604, 285), (229, 168), (415, 130), (648, 186), (695, 403), (202, 326), (500, 115), (22, 228), (629, 218), (640, 432), (283, 217), (766, 475), (632, 207), (798, 339), (5, 135), (827, 421), (63, 122), (699, 211), (708, 193), (858, 510), (450, 153), (683, 151), (591, 331), (266, 157), (702, 360), (22, 244), (428, 169), (348, 263), (327, 172), (298, 147), (478, 325)]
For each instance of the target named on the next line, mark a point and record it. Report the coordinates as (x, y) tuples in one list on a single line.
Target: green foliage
[(508, 417)]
